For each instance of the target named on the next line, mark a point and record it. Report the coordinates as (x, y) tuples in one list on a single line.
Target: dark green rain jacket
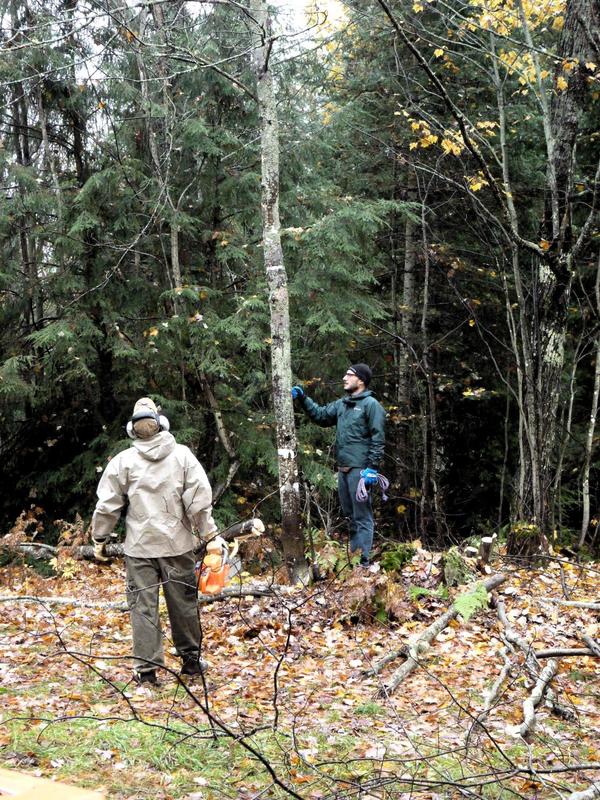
[(360, 432)]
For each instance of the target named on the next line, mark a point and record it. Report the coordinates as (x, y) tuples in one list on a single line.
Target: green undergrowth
[(132, 758), (136, 759)]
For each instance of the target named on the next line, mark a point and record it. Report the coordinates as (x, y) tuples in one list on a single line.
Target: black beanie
[(362, 371)]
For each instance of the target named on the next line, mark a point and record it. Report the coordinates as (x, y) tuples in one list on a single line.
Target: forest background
[(439, 207)]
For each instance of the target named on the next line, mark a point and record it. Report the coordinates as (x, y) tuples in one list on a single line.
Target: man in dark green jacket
[(359, 445)]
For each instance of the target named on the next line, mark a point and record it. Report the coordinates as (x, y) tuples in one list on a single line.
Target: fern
[(471, 602)]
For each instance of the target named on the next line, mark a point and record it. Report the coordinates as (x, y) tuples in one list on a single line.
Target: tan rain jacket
[(168, 493)]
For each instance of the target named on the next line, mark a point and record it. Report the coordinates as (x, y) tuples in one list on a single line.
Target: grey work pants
[(360, 515), (176, 575)]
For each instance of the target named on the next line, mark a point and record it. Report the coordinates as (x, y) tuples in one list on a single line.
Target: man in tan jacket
[(169, 497)]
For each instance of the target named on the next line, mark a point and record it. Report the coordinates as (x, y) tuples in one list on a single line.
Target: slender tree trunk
[(431, 499), (407, 322), (289, 489), (589, 443)]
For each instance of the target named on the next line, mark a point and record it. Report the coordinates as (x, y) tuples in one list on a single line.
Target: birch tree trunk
[(289, 488), (589, 444)]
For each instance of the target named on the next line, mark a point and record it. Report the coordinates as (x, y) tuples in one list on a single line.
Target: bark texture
[(289, 487)]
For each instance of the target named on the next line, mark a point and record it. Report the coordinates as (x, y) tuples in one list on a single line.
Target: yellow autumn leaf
[(153, 332), (427, 141), (561, 83), (449, 146), (590, 65), (545, 244), (417, 8), (413, 145), (400, 509), (438, 53), (471, 323), (476, 182), (415, 126)]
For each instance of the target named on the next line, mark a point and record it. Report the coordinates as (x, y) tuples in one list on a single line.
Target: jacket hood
[(352, 398), (156, 447)]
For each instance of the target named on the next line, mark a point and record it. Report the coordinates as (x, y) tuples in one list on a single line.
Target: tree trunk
[(589, 444), (545, 312), (404, 313), (289, 489)]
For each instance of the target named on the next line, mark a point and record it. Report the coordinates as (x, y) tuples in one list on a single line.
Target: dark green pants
[(176, 576)]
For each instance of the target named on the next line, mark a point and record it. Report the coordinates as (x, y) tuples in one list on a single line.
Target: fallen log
[(250, 527), (401, 652), (420, 644), (61, 601), (514, 638), (491, 695), (558, 652), (572, 603), (532, 702), (592, 644), (531, 662), (228, 593)]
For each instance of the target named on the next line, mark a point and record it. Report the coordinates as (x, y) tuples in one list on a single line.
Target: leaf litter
[(286, 688)]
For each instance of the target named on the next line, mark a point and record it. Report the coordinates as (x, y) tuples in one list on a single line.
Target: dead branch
[(587, 794), (533, 666), (420, 644), (567, 713), (86, 552), (572, 603), (558, 652), (228, 593), (61, 601), (592, 644), (401, 652), (532, 702), (491, 695), (514, 638)]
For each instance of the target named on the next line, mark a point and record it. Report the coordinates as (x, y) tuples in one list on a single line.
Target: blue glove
[(369, 475), (297, 393)]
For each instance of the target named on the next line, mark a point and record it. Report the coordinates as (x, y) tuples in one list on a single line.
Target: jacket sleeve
[(197, 497), (325, 416), (376, 420), (111, 499)]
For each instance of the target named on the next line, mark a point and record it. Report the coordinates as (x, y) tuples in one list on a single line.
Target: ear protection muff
[(161, 421)]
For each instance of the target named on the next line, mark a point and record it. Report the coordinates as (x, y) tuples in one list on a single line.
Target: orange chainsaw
[(215, 570)]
